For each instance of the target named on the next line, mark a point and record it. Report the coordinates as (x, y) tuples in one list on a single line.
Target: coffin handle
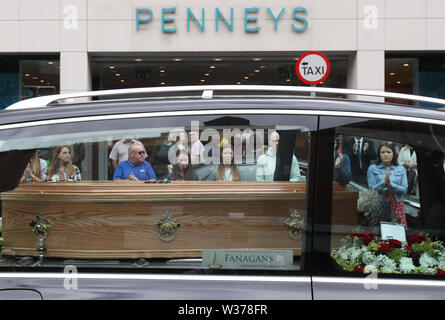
[(167, 228), (294, 225)]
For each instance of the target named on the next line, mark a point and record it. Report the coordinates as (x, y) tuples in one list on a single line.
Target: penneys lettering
[(198, 17)]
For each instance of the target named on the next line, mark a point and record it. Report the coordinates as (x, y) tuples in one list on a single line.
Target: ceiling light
[(122, 80), (246, 77), (162, 83), (392, 73), (212, 67), (42, 81), (202, 80), (177, 59), (287, 80), (111, 67), (257, 59), (262, 67), (50, 62), (257, 70), (217, 59), (207, 74), (406, 64), (161, 71), (238, 82), (35, 78), (117, 74), (27, 74), (398, 82), (138, 60)]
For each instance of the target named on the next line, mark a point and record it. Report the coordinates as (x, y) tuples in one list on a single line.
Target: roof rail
[(208, 93)]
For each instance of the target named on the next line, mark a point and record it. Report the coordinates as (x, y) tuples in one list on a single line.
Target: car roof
[(173, 99)]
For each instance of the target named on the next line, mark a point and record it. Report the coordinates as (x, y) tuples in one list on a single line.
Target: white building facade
[(82, 37)]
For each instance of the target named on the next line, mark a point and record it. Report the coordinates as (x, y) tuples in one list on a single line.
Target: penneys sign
[(249, 17)]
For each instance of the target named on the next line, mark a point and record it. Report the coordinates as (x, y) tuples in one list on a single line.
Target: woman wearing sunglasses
[(135, 168)]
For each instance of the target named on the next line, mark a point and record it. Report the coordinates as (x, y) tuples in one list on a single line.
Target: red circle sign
[(313, 67)]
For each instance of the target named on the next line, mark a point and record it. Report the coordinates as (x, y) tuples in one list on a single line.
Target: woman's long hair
[(35, 164), (55, 162), (233, 166), (188, 172), (391, 146)]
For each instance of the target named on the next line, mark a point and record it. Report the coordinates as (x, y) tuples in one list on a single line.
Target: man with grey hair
[(135, 168), (119, 152), (266, 163)]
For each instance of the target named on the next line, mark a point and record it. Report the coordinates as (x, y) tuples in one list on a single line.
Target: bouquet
[(363, 251)]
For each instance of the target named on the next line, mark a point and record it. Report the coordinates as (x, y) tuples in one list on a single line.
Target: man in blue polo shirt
[(135, 168)]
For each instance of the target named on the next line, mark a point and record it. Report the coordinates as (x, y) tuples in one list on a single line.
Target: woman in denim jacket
[(389, 179)]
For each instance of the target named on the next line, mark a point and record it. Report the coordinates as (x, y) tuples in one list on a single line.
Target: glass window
[(209, 192), (392, 220), (167, 69), (23, 77)]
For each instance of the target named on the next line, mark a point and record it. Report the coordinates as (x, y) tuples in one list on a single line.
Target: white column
[(75, 72), (366, 71)]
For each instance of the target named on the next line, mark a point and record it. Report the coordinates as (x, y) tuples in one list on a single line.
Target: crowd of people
[(128, 157), (389, 170)]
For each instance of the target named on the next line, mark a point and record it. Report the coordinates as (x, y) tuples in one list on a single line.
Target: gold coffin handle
[(167, 228), (40, 226), (294, 225)]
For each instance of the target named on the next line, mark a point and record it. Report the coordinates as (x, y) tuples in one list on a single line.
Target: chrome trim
[(175, 277), (221, 112), (399, 282), (40, 102)]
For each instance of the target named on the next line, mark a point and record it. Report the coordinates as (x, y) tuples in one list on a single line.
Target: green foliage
[(396, 254), (424, 247), (373, 246)]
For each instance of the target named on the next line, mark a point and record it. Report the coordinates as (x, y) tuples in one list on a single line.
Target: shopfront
[(59, 46)]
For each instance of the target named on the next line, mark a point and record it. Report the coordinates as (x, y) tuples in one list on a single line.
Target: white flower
[(427, 261), (368, 257), (441, 259), (430, 271), (382, 260), (406, 265), (389, 267)]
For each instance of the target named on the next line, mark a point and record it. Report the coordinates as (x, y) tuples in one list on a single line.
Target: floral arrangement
[(363, 251)]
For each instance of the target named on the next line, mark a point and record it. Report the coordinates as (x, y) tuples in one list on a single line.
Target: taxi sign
[(313, 67)]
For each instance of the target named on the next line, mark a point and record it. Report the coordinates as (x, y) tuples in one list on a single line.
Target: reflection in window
[(177, 194), (397, 189)]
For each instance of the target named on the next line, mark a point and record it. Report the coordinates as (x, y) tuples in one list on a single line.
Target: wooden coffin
[(119, 219)]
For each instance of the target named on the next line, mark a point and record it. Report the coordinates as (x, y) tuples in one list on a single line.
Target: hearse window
[(210, 192), (388, 217)]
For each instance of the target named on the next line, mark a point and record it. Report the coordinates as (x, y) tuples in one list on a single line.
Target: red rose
[(439, 272), (416, 239), (367, 239), (384, 247), (358, 269), (394, 243)]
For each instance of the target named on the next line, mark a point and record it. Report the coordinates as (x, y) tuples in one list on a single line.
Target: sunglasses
[(141, 153)]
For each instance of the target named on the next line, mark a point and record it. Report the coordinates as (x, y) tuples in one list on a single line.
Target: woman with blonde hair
[(35, 170), (61, 167), (226, 170)]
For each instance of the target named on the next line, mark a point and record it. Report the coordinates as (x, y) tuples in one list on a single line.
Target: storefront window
[(110, 72), (23, 77), (415, 73)]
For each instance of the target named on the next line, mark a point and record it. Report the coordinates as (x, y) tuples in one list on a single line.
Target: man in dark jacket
[(360, 151)]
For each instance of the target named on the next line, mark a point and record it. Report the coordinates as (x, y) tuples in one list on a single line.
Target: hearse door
[(372, 241)]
